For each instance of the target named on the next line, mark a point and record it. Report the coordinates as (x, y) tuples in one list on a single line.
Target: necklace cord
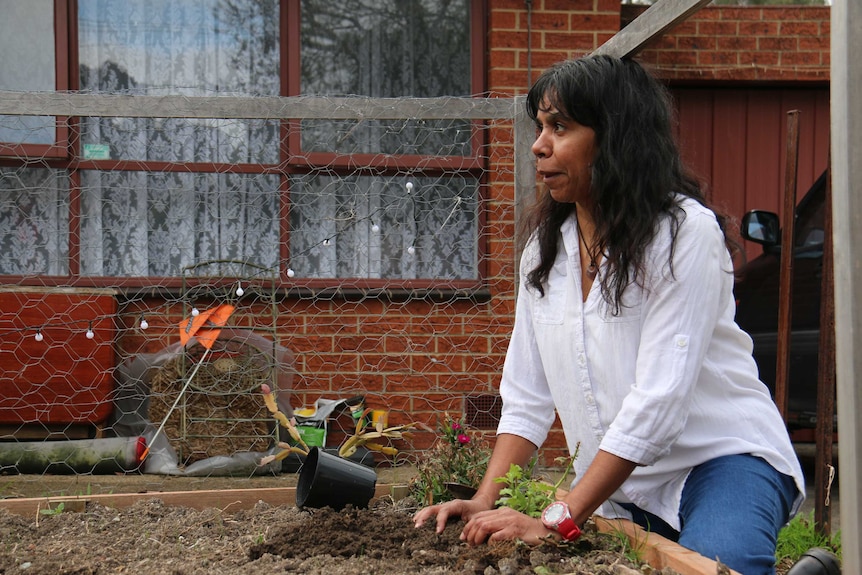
[(592, 268)]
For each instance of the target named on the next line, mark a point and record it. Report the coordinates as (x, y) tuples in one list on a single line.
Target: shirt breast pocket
[(630, 308), (551, 308)]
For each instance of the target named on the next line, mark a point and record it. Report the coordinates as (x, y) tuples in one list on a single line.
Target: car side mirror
[(761, 227)]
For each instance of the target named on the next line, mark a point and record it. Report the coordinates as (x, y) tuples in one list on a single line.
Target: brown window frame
[(60, 147), (66, 154)]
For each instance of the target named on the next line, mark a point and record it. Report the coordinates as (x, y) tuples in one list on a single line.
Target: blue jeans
[(732, 509)]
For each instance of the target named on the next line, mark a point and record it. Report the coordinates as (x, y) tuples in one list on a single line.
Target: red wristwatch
[(557, 516)]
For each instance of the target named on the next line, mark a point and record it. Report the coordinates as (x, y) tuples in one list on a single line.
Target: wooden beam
[(824, 472), (785, 284), (225, 499), (846, 149), (655, 21), (267, 107)]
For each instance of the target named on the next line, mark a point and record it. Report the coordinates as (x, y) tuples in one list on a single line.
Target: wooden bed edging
[(661, 552), (657, 550)]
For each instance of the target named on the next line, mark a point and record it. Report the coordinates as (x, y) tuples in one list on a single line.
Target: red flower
[(463, 439), (456, 426)]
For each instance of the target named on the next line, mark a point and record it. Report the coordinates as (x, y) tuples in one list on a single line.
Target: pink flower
[(456, 426), (463, 439)]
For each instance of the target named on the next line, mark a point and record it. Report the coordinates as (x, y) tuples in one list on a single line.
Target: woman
[(625, 325)]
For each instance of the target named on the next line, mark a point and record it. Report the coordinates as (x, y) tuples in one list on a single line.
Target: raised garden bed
[(237, 531)]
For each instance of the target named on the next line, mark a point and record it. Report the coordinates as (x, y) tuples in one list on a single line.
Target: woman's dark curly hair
[(637, 174)]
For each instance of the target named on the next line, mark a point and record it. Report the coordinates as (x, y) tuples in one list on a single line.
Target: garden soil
[(150, 537), (157, 539)]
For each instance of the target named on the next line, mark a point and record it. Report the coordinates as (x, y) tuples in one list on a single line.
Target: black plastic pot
[(327, 480), (816, 561)]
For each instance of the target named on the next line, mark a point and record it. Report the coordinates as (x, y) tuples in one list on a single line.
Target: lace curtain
[(34, 221), (146, 222), (136, 223)]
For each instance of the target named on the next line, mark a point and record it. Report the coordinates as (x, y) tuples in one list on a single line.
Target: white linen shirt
[(668, 383)]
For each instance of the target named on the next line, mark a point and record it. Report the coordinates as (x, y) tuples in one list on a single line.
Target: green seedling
[(55, 510), (528, 494)]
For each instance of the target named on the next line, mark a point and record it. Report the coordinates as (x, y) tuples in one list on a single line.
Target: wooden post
[(846, 149), (655, 21), (824, 473), (785, 286)]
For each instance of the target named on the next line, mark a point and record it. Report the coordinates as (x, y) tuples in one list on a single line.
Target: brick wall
[(733, 43)]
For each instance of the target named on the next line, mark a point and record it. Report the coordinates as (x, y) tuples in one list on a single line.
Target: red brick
[(331, 362), (736, 13), (570, 41), (550, 21), (515, 5), (437, 404), (469, 344), (677, 58), (358, 343), (821, 43), (400, 343), (501, 20), (507, 79), (697, 42), (570, 5), (761, 28), (800, 59), (507, 39), (706, 13), (799, 29), (686, 28), (503, 59), (484, 363), (717, 28), (595, 22), (778, 44), (612, 6), (798, 13), (760, 58), (737, 43), (545, 59)]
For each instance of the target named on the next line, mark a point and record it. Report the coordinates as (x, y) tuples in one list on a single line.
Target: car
[(757, 293)]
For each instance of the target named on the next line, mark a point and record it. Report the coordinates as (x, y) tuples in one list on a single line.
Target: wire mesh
[(368, 244)]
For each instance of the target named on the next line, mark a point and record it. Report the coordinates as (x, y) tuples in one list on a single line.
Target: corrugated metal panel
[(735, 140)]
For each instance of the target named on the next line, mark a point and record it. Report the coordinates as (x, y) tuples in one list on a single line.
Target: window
[(156, 195), (31, 62)]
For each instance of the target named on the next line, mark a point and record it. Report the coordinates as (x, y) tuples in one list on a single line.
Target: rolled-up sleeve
[(679, 312)]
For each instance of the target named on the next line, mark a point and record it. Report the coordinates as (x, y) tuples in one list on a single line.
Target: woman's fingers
[(502, 524)]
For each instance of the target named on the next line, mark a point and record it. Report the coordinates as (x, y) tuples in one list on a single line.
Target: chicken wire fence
[(165, 257)]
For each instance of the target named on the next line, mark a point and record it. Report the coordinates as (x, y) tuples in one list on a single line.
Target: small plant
[(632, 549), (459, 456), (56, 510), (361, 437), (527, 494), (800, 535), (368, 438)]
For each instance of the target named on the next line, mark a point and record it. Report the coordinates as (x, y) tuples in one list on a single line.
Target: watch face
[(555, 512)]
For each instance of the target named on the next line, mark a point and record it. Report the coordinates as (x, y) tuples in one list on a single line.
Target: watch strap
[(566, 526)]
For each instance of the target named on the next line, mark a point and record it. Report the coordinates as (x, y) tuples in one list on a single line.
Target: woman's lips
[(549, 177)]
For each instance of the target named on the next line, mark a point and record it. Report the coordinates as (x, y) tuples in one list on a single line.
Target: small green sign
[(97, 152)]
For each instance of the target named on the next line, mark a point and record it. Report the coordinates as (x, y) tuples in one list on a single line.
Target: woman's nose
[(540, 146)]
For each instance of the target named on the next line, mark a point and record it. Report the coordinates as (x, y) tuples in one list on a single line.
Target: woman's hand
[(463, 508), (504, 524)]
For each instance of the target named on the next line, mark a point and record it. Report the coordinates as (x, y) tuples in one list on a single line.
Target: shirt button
[(681, 342), (582, 360)]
